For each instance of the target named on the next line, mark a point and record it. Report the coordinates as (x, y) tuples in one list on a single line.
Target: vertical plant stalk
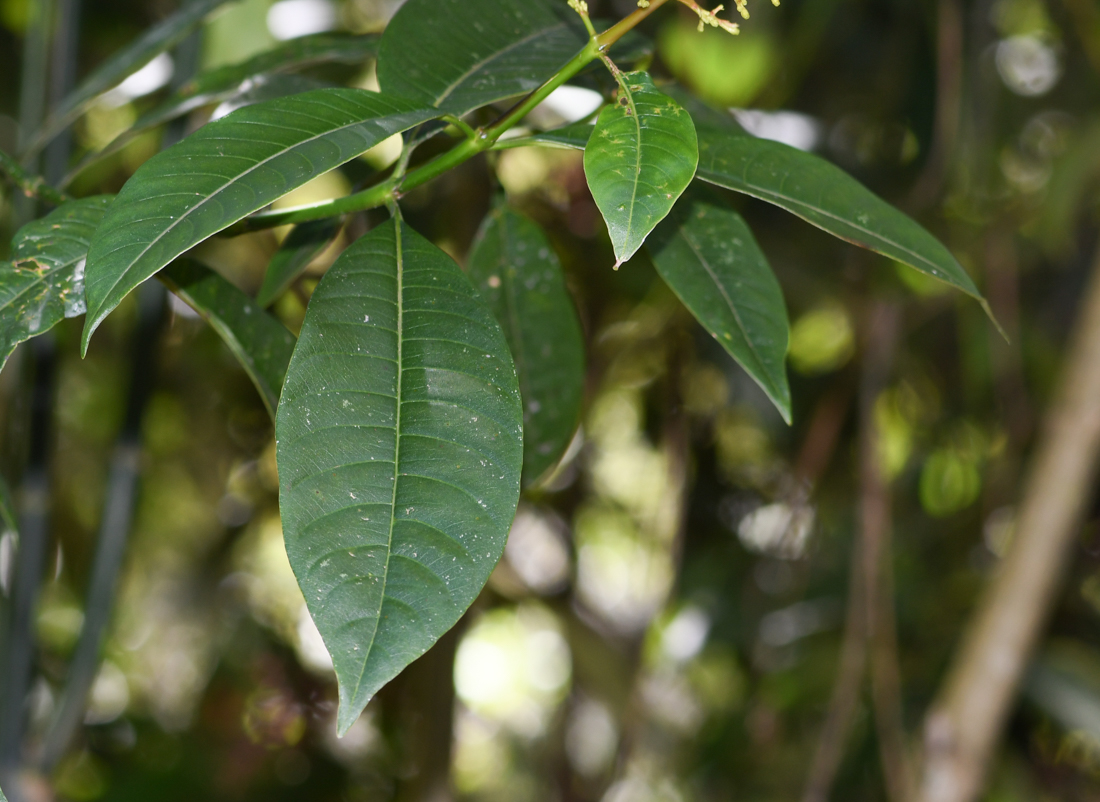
[(63, 62), (964, 727), (876, 530)]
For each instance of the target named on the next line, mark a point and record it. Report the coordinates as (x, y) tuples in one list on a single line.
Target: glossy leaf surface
[(44, 282), (708, 256), (458, 55), (124, 63), (259, 342), (225, 171), (519, 275), (639, 160), (824, 195), (229, 82), (301, 247), (399, 450)]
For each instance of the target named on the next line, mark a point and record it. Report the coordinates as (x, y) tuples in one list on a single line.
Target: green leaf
[(708, 256), (122, 64), (519, 275), (227, 170), (458, 55), (301, 247), (824, 195), (399, 449), (44, 282), (259, 342), (639, 160), (231, 81)]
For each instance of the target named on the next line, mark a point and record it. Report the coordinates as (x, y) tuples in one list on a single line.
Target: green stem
[(482, 140), (33, 186)]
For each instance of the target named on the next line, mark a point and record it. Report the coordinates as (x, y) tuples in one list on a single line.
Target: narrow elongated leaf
[(458, 55), (227, 170), (232, 81), (824, 195), (301, 247), (399, 449), (519, 275), (44, 282), (260, 342), (124, 63), (639, 160), (708, 256)]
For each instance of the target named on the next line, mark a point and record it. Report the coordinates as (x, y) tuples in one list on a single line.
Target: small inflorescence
[(711, 18), (581, 7)]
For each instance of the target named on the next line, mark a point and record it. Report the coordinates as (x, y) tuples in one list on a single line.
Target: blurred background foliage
[(667, 621)]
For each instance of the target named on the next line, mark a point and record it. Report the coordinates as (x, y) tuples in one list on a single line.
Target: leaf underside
[(227, 170), (44, 282), (301, 247), (708, 256), (459, 55), (639, 160), (259, 342), (400, 450), (519, 276)]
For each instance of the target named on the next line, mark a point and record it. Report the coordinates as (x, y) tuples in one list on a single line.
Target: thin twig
[(962, 731), (33, 186)]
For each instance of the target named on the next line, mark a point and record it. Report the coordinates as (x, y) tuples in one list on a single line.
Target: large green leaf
[(44, 282), (400, 450), (458, 55), (824, 195), (519, 275), (708, 256), (301, 247), (227, 170), (231, 81), (639, 160), (122, 64), (259, 342)]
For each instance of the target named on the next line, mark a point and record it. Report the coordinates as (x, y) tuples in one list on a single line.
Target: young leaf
[(125, 62), (458, 55), (708, 256), (259, 342), (229, 82), (639, 160), (44, 282), (399, 449), (225, 171), (301, 247), (824, 195), (519, 275)]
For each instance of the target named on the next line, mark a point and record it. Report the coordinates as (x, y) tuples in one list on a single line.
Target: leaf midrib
[(400, 260)]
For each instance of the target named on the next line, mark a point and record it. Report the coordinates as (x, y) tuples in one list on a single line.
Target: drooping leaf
[(122, 64), (458, 55), (708, 256), (639, 160), (399, 450), (824, 195), (44, 282), (519, 275), (301, 247), (259, 342), (225, 171)]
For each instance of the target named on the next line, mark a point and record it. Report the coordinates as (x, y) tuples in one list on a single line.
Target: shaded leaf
[(259, 342), (122, 64), (399, 449), (44, 282), (519, 275), (708, 256), (234, 80), (824, 195), (225, 171), (458, 55), (639, 160), (301, 247)]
